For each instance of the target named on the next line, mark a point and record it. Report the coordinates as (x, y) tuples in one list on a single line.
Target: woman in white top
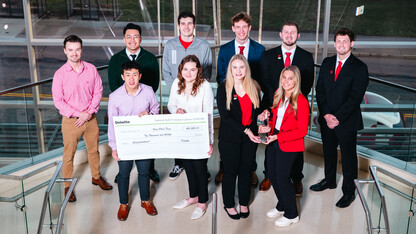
[(191, 93)]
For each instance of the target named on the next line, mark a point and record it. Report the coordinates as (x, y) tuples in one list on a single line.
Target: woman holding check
[(287, 129), (191, 93), (238, 99)]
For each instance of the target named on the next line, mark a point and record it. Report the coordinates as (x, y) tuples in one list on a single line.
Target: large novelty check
[(162, 136)]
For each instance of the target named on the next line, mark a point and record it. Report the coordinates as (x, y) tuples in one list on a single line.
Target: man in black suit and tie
[(272, 64), (342, 82)]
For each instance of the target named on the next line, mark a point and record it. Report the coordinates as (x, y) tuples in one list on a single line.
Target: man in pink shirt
[(131, 99), (77, 91)]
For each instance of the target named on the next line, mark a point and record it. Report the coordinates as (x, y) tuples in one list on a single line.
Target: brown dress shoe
[(72, 197), (104, 185), (254, 179), (123, 212), (265, 185), (218, 176), (149, 207), (298, 188)]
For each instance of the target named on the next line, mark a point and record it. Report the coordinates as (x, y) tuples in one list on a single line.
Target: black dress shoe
[(154, 176), (345, 200), (236, 216), (116, 178), (245, 215), (322, 185)]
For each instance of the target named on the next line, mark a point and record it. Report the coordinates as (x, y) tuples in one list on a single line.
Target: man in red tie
[(339, 95), (253, 51), (272, 64)]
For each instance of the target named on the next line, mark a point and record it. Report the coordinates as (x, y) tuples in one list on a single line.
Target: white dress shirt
[(280, 114), (246, 48)]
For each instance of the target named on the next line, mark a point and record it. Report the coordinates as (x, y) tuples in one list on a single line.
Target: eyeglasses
[(128, 37)]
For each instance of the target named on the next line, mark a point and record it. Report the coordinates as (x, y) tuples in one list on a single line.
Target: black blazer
[(272, 65), (343, 97), (231, 128)]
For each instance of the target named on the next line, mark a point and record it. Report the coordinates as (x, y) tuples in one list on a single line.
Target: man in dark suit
[(253, 51), (272, 64), (341, 85)]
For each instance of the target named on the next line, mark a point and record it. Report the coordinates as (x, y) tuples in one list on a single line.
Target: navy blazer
[(342, 98), (255, 53), (231, 127), (272, 65)]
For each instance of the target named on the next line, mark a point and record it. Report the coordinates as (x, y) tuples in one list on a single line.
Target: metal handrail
[(23, 177), (364, 203), (382, 197), (30, 85), (46, 197), (63, 205), (214, 213), (29, 174), (388, 83), (378, 184)]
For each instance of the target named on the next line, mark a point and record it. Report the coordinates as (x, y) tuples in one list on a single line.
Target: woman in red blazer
[(287, 128)]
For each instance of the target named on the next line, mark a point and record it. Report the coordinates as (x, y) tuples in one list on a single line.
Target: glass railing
[(30, 130), (388, 111), (34, 202), (31, 124), (389, 202)]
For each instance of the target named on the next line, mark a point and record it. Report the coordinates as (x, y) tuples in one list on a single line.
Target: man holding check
[(130, 99)]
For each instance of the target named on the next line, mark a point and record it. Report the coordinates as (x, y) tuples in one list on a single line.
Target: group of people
[(284, 75)]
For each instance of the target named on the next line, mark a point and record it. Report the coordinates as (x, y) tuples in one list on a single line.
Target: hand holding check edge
[(114, 153), (182, 111)]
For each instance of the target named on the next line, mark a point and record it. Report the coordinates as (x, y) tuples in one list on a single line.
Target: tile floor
[(96, 211)]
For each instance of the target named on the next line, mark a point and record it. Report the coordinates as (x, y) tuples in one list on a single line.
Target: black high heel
[(235, 217)]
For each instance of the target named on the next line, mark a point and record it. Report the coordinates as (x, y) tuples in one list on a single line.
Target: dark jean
[(124, 179)]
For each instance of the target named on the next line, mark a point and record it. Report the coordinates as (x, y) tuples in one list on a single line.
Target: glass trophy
[(263, 136)]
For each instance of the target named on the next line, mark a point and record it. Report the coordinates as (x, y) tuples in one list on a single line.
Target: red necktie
[(287, 60), (241, 49), (338, 69)]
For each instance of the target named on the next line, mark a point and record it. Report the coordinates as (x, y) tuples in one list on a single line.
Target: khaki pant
[(71, 135)]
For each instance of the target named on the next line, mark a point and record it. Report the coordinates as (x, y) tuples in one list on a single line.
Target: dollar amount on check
[(162, 136)]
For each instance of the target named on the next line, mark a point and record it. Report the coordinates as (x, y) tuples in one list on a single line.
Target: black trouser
[(347, 141), (178, 162), (280, 165), (196, 173), (296, 175), (237, 159), (253, 168)]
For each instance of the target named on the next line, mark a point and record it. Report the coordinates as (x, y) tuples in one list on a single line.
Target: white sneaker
[(283, 221), (273, 213), (198, 213), (182, 204)]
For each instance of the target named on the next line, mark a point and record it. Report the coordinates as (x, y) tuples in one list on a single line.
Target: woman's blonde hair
[(250, 86), (279, 95)]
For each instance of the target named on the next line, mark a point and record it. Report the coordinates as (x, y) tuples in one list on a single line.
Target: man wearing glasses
[(148, 64)]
